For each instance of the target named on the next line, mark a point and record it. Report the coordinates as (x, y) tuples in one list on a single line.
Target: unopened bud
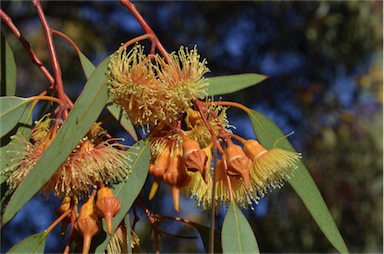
[(195, 158), (253, 149), (238, 162), (107, 206), (87, 224)]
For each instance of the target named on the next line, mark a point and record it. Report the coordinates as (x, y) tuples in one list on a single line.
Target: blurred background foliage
[(325, 62)]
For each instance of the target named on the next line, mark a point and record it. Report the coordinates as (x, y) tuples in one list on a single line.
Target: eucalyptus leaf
[(32, 244), (127, 191), (116, 111), (232, 83), (268, 133), (86, 64), (237, 235), (7, 69), (84, 113), (11, 111)]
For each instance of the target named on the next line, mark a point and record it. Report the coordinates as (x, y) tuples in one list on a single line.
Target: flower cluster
[(163, 95), (154, 92), (95, 160), (183, 160)]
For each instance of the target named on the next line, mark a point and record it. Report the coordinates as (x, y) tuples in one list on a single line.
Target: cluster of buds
[(86, 224), (154, 91), (97, 159)]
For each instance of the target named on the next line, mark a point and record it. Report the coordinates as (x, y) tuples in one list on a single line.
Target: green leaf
[(232, 83), (119, 115), (116, 111), (7, 69), (22, 130), (11, 110), (84, 113), (127, 191), (268, 133), (87, 65), (32, 244), (237, 235)]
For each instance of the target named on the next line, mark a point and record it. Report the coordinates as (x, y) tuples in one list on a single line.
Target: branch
[(8, 21), (51, 46), (155, 41)]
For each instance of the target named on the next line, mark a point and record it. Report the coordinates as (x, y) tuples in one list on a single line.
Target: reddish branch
[(155, 41), (52, 51), (8, 21)]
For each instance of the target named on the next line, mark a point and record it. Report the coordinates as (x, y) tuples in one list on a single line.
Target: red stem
[(52, 51), (155, 41), (8, 21)]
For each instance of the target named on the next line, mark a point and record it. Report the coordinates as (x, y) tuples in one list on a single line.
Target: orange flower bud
[(195, 158), (158, 169), (207, 168), (64, 207), (238, 162), (87, 224), (177, 177), (253, 149), (107, 206)]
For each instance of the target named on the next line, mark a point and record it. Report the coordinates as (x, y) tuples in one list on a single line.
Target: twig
[(52, 51), (8, 21), (155, 41)]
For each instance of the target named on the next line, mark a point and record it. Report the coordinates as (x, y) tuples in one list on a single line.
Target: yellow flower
[(118, 242), (183, 77), (154, 92), (92, 162), (200, 190), (271, 168), (196, 128), (88, 165), (134, 86)]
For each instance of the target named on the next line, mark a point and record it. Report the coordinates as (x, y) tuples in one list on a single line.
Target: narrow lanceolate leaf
[(232, 83), (7, 69), (237, 235), (22, 130), (11, 110), (127, 191), (32, 244), (120, 116), (84, 113), (87, 65), (268, 133), (116, 111)]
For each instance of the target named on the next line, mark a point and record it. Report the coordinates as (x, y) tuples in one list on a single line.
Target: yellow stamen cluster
[(154, 92), (250, 172), (95, 160)]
